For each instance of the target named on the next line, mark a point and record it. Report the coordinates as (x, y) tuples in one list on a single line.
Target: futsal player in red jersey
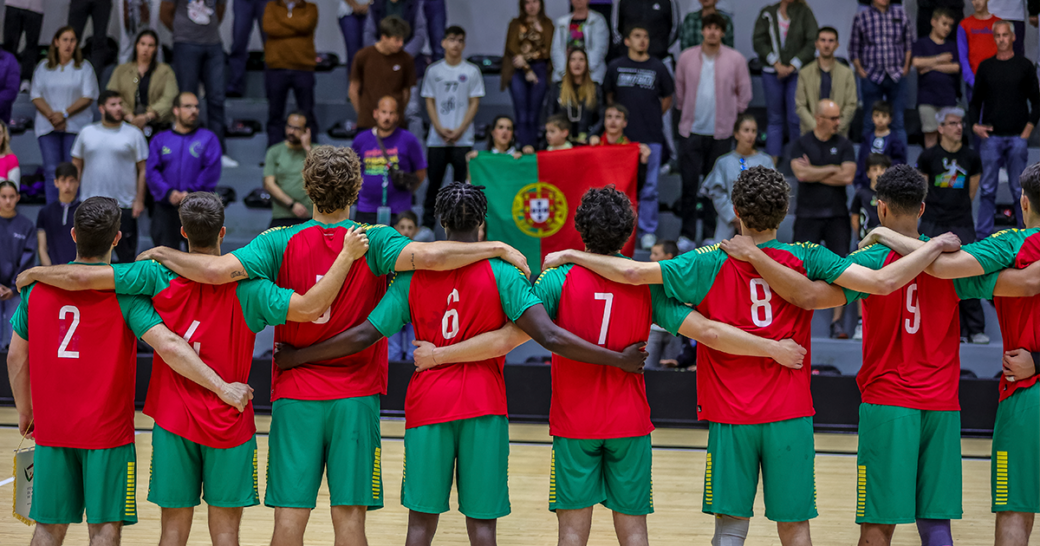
[(759, 412), (73, 384), (909, 462), (455, 415), (199, 444), (325, 416), (599, 416)]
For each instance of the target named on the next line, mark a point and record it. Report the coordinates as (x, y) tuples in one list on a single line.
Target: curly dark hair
[(461, 207), (605, 220), (902, 188), (1030, 181), (96, 223), (332, 177), (761, 197)]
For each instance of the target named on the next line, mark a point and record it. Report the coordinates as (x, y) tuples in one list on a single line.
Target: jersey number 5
[(761, 310), (450, 320), (63, 351)]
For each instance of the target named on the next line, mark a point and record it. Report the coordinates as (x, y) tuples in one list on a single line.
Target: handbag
[(401, 180)]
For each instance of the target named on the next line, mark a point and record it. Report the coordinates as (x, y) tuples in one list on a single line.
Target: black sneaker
[(838, 331)]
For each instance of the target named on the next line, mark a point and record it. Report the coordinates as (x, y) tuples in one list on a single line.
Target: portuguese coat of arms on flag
[(532, 200)]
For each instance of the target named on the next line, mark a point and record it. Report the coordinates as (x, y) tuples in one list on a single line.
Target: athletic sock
[(935, 532), (730, 531)]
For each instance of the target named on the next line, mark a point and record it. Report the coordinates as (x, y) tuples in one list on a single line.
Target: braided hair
[(461, 206)]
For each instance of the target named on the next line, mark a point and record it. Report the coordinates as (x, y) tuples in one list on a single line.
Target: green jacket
[(799, 48)]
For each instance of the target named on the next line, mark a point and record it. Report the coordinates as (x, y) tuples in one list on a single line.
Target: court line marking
[(7, 481)]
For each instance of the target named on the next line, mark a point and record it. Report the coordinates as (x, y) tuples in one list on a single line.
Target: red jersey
[(975, 36)]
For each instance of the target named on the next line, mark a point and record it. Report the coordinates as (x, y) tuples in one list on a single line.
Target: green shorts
[(481, 447), (615, 472), (909, 465), (1015, 466), (67, 480), (784, 451), (310, 436), (181, 467)]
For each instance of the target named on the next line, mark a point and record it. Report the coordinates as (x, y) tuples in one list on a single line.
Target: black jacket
[(585, 122)]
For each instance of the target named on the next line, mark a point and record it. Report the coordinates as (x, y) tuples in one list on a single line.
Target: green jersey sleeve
[(384, 246), (668, 313), (997, 251), (688, 277), (549, 287), (138, 313), (821, 264), (20, 319), (975, 288), (393, 313), (514, 290), (263, 303), (146, 278), (262, 257), (871, 257)]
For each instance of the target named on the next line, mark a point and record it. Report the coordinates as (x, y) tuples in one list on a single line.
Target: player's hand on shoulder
[(423, 355), (285, 356), (633, 358), (1018, 365), (517, 258), (556, 259), (355, 242), (154, 253), (237, 395), (949, 242), (25, 278), (875, 236), (789, 354), (740, 247)]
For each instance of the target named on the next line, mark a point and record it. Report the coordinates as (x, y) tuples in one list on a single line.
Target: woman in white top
[(719, 183), (63, 88)]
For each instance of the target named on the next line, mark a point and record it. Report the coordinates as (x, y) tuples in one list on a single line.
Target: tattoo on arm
[(238, 273), (413, 261)]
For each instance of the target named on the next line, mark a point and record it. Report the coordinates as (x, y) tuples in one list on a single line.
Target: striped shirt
[(881, 40)]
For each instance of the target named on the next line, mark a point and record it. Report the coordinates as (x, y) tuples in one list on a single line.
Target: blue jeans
[(648, 195), (194, 62), (353, 29), (996, 152), (893, 92), (246, 11), (436, 19), (527, 102), (56, 148), (278, 83), (780, 110)]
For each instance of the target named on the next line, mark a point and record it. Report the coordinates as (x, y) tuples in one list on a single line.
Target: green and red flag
[(532, 200)]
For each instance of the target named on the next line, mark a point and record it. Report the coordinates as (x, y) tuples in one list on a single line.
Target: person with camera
[(392, 166)]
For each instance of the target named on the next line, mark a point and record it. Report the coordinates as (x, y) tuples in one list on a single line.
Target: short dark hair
[(746, 116), (66, 170), (461, 206), (1030, 182), (761, 197), (669, 247), (559, 121), (455, 30), (902, 188), (407, 215), (300, 113), (108, 94), (832, 30), (714, 20), (394, 27), (940, 12), (878, 160), (620, 109), (881, 107), (635, 26), (8, 184), (202, 215), (96, 223), (177, 99), (604, 220)]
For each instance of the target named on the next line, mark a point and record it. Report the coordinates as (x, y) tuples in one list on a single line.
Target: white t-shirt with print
[(110, 159), (451, 87)]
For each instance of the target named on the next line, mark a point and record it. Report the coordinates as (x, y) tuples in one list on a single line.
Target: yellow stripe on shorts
[(861, 492), (131, 490), (707, 481), (377, 477), (1000, 494), (552, 478), (256, 474)]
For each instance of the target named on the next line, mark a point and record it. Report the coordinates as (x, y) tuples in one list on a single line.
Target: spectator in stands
[(290, 58), (23, 18), (975, 41), (399, 345), (409, 11), (864, 203), (182, 160), (384, 146), (557, 135), (578, 97), (642, 84), (712, 87), (9, 74), (501, 139), (690, 33), (381, 70), (1015, 12), (938, 69), (198, 55), (662, 348), (9, 168), (926, 12), (147, 87), (880, 50), (882, 141), (110, 156), (826, 78), (526, 66), (135, 16), (54, 221), (660, 18), (352, 16), (283, 174), (1005, 107), (436, 13), (246, 13), (452, 88), (718, 185), (63, 87), (17, 253), (615, 120), (784, 40), (585, 30), (824, 162), (953, 172), (99, 12)]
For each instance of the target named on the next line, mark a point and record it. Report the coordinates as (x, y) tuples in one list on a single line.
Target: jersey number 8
[(761, 310)]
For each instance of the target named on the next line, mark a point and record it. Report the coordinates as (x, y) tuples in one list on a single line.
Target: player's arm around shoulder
[(787, 283), (310, 306), (183, 360), (69, 277), (895, 275), (1018, 283), (729, 339), (201, 268), (616, 269)]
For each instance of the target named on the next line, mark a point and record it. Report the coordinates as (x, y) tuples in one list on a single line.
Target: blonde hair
[(52, 52), (5, 140), (585, 93)]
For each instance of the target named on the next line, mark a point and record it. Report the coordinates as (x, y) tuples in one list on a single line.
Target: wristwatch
[(65, 113)]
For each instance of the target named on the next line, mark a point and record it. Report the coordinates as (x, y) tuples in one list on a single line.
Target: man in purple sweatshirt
[(180, 161)]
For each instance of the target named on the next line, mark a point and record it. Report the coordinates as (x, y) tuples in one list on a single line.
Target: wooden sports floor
[(678, 480)]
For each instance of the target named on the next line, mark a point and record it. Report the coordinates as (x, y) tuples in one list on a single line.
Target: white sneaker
[(648, 240), (858, 334), (685, 244), (980, 339), (226, 161)]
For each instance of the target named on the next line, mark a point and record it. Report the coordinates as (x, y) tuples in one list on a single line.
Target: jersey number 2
[(450, 320), (761, 310), (62, 349)]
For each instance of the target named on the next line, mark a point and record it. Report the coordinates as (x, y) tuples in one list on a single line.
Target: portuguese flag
[(532, 200)]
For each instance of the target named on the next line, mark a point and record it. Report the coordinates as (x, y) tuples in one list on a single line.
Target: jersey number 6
[(450, 320)]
